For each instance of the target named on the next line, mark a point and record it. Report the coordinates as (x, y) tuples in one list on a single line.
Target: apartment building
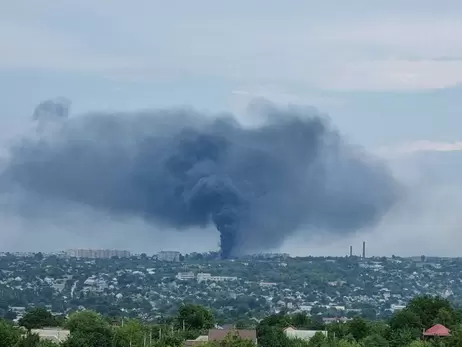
[(97, 253)]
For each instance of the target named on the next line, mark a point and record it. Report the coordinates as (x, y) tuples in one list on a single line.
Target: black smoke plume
[(180, 169)]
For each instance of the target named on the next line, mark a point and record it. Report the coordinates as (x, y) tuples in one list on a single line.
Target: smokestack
[(364, 249), (351, 251)]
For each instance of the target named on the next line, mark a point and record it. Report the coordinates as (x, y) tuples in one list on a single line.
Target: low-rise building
[(306, 335), (185, 276), (52, 334)]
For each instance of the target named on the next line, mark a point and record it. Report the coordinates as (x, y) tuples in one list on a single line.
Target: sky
[(388, 74)]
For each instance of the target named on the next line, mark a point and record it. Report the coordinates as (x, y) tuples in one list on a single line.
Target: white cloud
[(397, 35), (419, 146), (27, 46), (278, 94), (392, 48), (393, 75)]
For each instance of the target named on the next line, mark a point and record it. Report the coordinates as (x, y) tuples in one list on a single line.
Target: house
[(437, 330), (293, 333), (52, 334), (197, 342), (221, 334)]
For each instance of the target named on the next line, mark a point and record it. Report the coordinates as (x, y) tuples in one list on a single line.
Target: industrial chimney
[(364, 249), (351, 251)]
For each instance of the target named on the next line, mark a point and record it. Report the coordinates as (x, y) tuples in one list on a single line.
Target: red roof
[(437, 330)]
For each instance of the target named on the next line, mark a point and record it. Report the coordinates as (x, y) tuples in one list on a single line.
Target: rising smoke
[(178, 168)]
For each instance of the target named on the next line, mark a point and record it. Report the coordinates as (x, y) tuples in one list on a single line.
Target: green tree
[(338, 330), (47, 343), (375, 340), (88, 329), (445, 317), (317, 340), (271, 336), (380, 328), (402, 337), (346, 343), (428, 307), (170, 340), (358, 327), (85, 321), (37, 318), (194, 317), (296, 343), (9, 335), (276, 320), (270, 331), (95, 339), (419, 343), (455, 340), (300, 320), (131, 333), (405, 319), (30, 340)]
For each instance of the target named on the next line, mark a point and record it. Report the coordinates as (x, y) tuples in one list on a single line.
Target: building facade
[(185, 276), (97, 253), (168, 256)]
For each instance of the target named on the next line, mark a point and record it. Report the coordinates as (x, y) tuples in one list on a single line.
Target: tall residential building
[(168, 256), (97, 253)]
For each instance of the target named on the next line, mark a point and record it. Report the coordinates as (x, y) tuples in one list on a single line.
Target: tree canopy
[(91, 329), (194, 317), (37, 318)]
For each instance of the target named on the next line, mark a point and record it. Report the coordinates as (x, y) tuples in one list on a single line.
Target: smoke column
[(181, 169), (52, 109)]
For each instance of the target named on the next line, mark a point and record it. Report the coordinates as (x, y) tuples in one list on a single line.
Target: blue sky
[(388, 73)]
